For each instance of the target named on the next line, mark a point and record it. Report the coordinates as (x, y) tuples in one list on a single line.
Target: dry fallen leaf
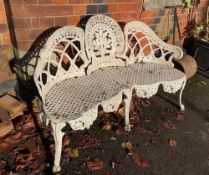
[(32, 144), (139, 161), (34, 165), (134, 119), (66, 141), (107, 126), (73, 152), (203, 82), (94, 164), (121, 111), (23, 158), (5, 146), (169, 125), (29, 124), (180, 117), (173, 143), (20, 167), (127, 145), (88, 142)]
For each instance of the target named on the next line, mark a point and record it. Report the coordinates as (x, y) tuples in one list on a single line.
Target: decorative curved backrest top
[(104, 39), (62, 57), (142, 44)]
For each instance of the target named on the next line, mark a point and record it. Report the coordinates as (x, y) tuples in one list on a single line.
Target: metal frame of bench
[(65, 76)]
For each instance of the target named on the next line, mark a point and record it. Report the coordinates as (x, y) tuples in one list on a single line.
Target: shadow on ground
[(167, 144)]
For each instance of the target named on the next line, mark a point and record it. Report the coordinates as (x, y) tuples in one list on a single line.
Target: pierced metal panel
[(62, 57), (145, 73), (24, 67), (70, 98), (142, 44), (104, 39)]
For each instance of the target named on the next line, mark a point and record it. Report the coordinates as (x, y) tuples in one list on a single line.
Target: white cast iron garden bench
[(77, 72)]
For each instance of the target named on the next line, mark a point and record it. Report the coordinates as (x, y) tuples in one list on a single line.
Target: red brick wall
[(5, 45), (32, 17)]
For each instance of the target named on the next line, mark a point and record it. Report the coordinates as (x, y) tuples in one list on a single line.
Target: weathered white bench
[(77, 72)]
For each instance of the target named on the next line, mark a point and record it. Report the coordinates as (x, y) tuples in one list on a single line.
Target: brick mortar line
[(72, 3), (45, 5)]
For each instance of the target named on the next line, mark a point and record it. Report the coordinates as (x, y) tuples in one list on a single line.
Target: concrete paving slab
[(12, 105)]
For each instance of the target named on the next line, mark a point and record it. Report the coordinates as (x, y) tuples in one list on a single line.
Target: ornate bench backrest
[(142, 44), (62, 57), (104, 39)]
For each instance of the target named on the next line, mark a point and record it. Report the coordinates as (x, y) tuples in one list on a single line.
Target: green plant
[(190, 3), (201, 30), (187, 3), (194, 29)]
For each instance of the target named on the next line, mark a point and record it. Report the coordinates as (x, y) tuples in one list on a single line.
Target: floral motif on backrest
[(142, 44), (104, 39), (62, 57)]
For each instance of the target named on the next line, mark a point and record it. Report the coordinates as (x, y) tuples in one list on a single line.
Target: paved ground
[(151, 138), (169, 142)]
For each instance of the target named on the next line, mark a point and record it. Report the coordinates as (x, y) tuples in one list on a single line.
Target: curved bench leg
[(180, 96), (58, 135), (127, 101)]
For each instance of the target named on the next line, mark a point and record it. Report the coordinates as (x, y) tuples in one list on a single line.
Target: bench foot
[(127, 101), (127, 128), (58, 135), (180, 96), (182, 107), (56, 169)]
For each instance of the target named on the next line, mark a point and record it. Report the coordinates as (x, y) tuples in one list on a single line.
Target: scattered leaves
[(73, 152), (203, 82), (134, 119), (139, 160), (107, 126), (121, 111), (127, 145), (172, 143), (169, 125), (66, 141), (94, 164), (5, 146), (88, 142), (15, 136), (179, 117), (20, 167), (29, 124)]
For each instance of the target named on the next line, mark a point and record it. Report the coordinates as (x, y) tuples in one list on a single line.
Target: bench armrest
[(142, 44)]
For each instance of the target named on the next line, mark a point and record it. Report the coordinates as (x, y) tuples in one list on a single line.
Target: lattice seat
[(143, 76), (145, 73), (70, 99)]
